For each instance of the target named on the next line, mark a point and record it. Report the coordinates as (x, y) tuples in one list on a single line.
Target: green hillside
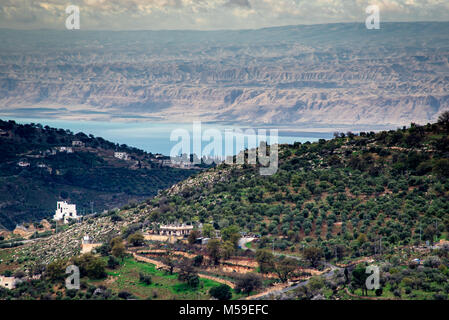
[(339, 203), (345, 195), (90, 173)]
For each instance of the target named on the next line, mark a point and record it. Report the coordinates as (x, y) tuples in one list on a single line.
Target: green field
[(163, 287)]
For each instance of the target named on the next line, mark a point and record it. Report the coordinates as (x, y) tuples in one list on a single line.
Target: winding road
[(271, 294)]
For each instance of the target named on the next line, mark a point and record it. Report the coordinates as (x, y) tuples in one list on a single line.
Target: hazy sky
[(211, 14)]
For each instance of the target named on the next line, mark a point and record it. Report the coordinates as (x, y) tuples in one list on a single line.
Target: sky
[(210, 14)]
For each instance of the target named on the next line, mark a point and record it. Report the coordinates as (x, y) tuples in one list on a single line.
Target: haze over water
[(155, 137)]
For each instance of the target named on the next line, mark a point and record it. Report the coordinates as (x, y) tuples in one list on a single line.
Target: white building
[(8, 282), (87, 240), (77, 143), (65, 212), (121, 155), (175, 230), (23, 164), (65, 149), (88, 244)]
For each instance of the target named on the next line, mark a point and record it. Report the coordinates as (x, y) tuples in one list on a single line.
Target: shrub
[(248, 282), (146, 279), (112, 262), (221, 292), (125, 295), (136, 239)]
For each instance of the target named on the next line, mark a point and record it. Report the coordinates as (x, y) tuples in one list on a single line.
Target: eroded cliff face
[(328, 74)]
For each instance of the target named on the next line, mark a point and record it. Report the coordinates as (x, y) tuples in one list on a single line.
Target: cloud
[(211, 14), (238, 3)]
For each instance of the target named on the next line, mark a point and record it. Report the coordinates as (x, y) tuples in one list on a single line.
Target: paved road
[(243, 241), (327, 275)]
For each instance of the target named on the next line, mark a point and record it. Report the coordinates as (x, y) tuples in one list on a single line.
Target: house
[(23, 164), (202, 240), (88, 245), (121, 155), (8, 282), (65, 212), (175, 230), (65, 149), (77, 143)]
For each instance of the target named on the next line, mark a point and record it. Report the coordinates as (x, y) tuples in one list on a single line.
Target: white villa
[(65, 212), (121, 155), (175, 230)]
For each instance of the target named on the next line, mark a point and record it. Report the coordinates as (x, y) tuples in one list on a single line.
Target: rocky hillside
[(326, 74)]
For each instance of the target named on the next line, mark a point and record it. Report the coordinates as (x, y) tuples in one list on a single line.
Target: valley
[(307, 232)]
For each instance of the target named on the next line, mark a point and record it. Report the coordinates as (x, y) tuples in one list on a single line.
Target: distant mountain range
[(295, 75)]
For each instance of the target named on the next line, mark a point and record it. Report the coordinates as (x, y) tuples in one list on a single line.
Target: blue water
[(149, 136)]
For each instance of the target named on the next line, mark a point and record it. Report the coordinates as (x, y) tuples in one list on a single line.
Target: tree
[(221, 292), (193, 235), (248, 282), (285, 267), (429, 233), (115, 240), (104, 249), (231, 233), (213, 250), (118, 248), (441, 168), (227, 249), (136, 239), (359, 277), (169, 262), (313, 255), (144, 278), (361, 239), (112, 262), (198, 260), (443, 119), (188, 274), (265, 259), (56, 270), (208, 231), (90, 266)]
